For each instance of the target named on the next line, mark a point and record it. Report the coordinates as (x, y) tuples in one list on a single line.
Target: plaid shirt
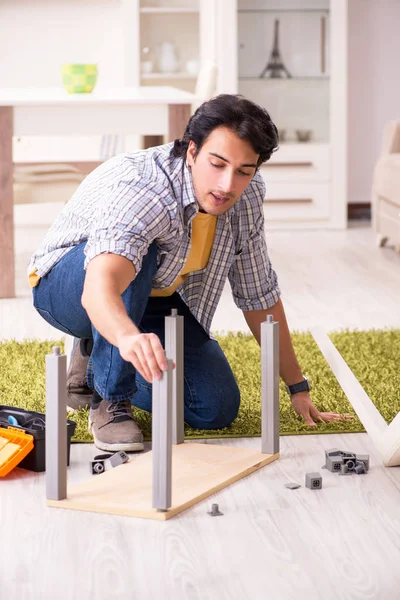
[(133, 199)]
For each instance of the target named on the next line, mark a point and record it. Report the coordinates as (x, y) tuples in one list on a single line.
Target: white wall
[(51, 32), (374, 86), (38, 36)]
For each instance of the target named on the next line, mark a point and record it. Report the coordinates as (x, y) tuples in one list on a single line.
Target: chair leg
[(270, 386), (161, 436), (56, 425), (174, 351)]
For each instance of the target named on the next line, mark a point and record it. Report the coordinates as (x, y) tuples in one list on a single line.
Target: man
[(164, 228)]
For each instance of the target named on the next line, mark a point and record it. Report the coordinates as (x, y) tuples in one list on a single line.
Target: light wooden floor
[(341, 542)]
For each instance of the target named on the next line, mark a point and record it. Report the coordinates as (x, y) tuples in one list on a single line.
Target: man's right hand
[(107, 277), (145, 352)]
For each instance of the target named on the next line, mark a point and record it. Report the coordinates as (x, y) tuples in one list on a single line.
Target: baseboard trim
[(359, 210)]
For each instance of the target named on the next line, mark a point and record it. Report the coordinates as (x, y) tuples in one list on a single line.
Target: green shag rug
[(372, 355)]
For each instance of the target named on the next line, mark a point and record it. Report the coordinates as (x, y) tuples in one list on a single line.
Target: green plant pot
[(79, 79)]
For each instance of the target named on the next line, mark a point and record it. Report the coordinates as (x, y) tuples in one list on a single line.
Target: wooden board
[(366, 411), (386, 438), (198, 471)]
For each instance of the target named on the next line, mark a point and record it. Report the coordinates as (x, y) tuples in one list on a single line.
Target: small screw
[(174, 312), (269, 318), (56, 350), (215, 512)]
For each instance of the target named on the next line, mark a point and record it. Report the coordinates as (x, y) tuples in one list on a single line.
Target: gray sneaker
[(79, 394), (114, 428)]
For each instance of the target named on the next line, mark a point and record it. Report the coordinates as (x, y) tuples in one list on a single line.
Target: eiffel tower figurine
[(275, 69)]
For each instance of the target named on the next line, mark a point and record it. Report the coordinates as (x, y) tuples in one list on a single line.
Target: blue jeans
[(211, 393)]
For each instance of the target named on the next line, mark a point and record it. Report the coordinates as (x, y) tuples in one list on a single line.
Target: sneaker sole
[(127, 446)]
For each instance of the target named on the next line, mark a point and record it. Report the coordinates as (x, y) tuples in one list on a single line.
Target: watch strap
[(296, 388)]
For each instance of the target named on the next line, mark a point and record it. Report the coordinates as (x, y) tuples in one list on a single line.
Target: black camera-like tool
[(98, 463)]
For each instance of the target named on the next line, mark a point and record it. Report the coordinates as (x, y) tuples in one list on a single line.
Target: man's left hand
[(304, 407)]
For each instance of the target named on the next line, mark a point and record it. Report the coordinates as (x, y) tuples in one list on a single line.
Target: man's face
[(222, 170)]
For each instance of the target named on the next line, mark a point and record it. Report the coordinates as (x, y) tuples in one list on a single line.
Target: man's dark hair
[(246, 119)]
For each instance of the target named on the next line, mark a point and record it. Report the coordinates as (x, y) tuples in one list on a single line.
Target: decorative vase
[(79, 78), (168, 61)]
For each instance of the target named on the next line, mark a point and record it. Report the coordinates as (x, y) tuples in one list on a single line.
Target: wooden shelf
[(147, 76), (161, 10), (287, 79), (283, 10)]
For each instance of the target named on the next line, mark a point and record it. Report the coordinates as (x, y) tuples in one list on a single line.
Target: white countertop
[(126, 95)]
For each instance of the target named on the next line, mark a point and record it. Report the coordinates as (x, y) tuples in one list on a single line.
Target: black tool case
[(33, 423)]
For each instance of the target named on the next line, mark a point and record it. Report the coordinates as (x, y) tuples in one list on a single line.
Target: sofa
[(386, 188)]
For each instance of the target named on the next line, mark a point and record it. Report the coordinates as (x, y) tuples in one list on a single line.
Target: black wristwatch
[(303, 386)]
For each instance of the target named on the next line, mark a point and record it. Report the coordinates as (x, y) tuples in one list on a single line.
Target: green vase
[(79, 79)]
